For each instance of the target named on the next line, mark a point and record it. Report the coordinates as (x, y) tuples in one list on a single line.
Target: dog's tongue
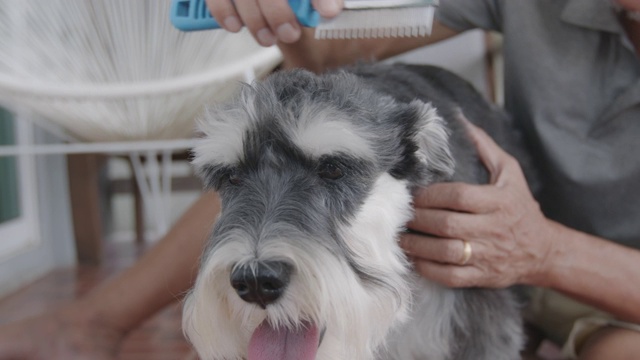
[(268, 343)]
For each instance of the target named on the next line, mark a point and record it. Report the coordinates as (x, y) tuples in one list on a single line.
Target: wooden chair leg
[(84, 176), (139, 211)]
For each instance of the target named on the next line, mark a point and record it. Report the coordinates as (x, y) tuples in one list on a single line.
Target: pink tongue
[(268, 343)]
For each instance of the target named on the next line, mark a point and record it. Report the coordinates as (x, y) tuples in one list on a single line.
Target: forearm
[(595, 271), (161, 276), (319, 55)]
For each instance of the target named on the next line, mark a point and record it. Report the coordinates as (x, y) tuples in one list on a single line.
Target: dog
[(315, 175)]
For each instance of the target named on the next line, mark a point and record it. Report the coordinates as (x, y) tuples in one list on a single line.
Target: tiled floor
[(160, 338)]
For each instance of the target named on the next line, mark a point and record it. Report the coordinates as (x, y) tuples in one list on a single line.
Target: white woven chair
[(114, 76)]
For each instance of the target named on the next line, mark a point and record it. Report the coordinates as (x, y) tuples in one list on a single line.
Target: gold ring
[(466, 253)]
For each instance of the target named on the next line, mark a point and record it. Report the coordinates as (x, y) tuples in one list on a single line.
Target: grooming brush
[(359, 19)]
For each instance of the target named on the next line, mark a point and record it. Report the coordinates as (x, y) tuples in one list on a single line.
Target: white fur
[(318, 131), (321, 131), (372, 237), (222, 140), (323, 288), (433, 139)]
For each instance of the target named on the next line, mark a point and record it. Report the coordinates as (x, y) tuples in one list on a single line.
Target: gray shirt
[(572, 81)]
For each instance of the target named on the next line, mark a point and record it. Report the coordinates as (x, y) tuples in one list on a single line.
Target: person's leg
[(611, 343), (92, 327)]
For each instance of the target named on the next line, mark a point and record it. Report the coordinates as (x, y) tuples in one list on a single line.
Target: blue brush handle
[(192, 15)]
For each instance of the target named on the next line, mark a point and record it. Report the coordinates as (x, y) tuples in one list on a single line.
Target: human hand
[(268, 21), (501, 221)]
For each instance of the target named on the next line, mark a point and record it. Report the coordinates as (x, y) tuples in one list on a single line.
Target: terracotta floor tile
[(159, 338)]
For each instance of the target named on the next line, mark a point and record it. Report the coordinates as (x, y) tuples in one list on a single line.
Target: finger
[(468, 198), (445, 224), (488, 151), (252, 17), (424, 247), (328, 8), (448, 275), (225, 14), (491, 154), (281, 19)]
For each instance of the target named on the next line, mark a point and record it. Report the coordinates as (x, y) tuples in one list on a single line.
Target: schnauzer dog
[(315, 175)]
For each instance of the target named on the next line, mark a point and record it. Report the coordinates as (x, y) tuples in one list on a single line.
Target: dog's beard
[(325, 297)]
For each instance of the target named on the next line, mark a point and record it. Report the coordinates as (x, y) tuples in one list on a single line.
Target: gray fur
[(274, 190)]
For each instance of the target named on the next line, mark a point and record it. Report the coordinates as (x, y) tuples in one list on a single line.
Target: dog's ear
[(431, 137)]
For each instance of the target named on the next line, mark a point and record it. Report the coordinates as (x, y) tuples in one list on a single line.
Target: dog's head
[(315, 176)]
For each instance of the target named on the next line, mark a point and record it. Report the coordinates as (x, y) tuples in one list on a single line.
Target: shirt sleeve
[(464, 15)]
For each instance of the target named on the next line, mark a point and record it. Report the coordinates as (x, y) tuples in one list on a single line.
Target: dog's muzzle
[(263, 284)]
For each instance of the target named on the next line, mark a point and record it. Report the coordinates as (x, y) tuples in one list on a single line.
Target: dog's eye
[(234, 178), (330, 171)]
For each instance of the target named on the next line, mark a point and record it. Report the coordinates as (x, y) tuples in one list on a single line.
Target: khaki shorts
[(566, 321)]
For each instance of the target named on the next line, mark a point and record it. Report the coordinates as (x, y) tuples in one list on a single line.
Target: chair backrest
[(109, 70)]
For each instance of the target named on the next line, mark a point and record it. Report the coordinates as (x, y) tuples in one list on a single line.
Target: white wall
[(54, 246)]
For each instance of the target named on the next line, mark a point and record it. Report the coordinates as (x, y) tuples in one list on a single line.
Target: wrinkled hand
[(268, 21), (501, 221)]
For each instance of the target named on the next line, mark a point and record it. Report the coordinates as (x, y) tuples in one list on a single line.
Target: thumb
[(491, 154)]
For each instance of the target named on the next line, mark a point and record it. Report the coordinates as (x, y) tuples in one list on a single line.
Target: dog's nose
[(262, 283)]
